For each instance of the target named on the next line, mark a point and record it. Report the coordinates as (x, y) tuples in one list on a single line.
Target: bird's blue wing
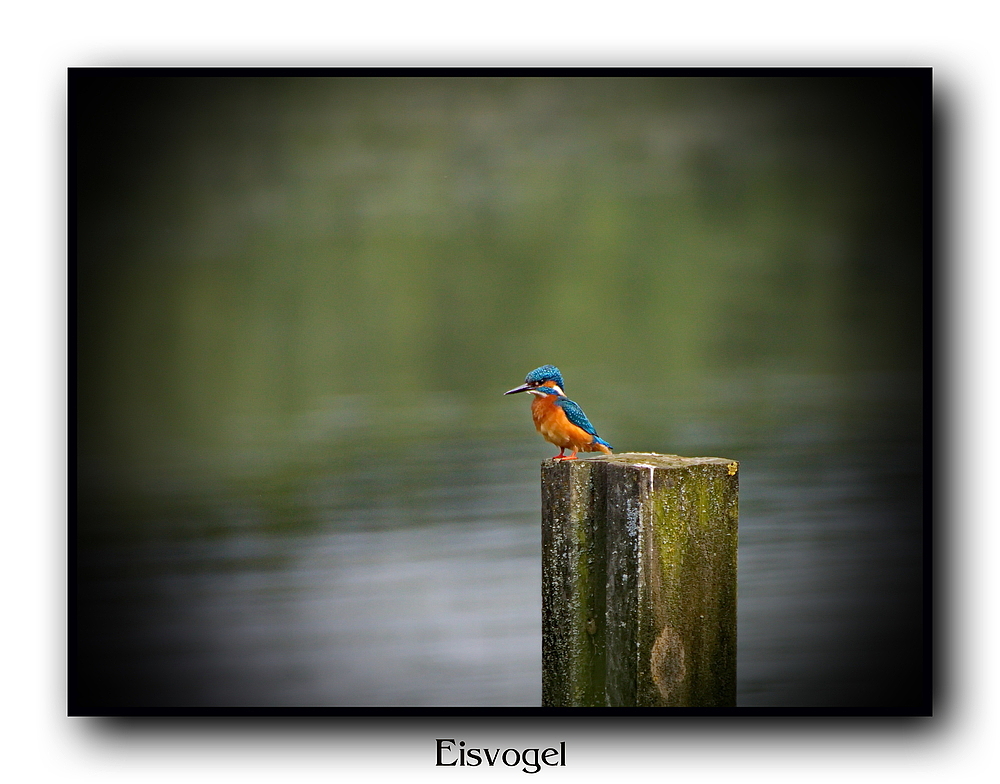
[(575, 415)]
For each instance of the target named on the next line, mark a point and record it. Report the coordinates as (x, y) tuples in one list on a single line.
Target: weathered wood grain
[(639, 556)]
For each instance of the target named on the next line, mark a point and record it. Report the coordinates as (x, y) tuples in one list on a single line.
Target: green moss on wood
[(573, 586), (639, 581)]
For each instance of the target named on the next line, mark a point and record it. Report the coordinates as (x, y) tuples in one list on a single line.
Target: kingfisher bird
[(559, 420)]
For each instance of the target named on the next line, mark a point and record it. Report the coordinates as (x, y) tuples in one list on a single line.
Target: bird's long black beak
[(522, 388)]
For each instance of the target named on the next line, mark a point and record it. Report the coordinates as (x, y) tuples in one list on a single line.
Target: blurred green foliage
[(261, 256)]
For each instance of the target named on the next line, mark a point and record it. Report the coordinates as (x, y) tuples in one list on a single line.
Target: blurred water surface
[(300, 299)]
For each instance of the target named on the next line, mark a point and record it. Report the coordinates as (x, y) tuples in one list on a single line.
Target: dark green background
[(299, 297)]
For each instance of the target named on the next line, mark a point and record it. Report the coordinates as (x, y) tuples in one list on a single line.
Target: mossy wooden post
[(639, 581)]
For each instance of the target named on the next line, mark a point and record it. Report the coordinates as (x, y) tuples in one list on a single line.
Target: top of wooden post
[(656, 460)]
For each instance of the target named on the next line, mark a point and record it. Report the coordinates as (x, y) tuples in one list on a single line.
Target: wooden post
[(639, 581)]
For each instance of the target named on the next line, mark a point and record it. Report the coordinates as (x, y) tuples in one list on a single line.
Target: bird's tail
[(600, 445)]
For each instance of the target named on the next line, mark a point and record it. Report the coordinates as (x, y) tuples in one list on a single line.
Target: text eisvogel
[(532, 759)]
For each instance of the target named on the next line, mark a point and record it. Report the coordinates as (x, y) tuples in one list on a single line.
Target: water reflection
[(415, 580), (440, 615)]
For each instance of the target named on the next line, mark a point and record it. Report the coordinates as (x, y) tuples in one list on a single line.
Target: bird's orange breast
[(550, 420)]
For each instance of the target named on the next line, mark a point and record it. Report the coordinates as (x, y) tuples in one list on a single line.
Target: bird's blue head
[(539, 376)]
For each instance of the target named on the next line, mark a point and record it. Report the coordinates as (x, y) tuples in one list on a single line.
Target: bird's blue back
[(575, 415)]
